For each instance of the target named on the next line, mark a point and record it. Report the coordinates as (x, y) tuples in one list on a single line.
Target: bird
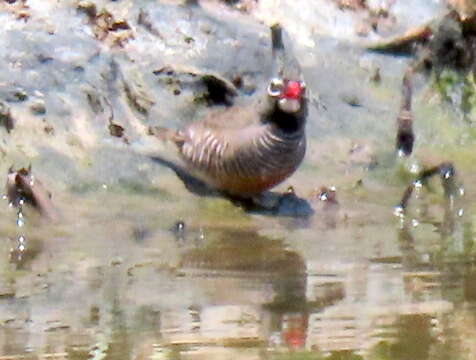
[(242, 150)]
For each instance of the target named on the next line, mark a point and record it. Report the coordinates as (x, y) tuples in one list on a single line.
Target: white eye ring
[(275, 87)]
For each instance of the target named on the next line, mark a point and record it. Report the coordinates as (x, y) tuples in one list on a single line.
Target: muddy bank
[(137, 265)]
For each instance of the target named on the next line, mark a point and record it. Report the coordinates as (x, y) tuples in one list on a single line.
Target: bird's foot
[(281, 204), (267, 201)]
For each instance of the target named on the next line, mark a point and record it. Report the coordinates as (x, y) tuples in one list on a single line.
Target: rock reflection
[(375, 299)]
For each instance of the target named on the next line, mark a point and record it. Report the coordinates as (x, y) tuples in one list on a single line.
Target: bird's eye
[(275, 87), (303, 85)]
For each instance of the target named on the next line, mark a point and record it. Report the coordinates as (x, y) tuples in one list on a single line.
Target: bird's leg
[(267, 200), (282, 204)]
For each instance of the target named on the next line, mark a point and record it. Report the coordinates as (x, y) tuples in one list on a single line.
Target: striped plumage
[(240, 161), (246, 150)]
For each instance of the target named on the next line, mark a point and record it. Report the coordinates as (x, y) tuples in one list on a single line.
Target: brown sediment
[(447, 174), (405, 136), (23, 186)]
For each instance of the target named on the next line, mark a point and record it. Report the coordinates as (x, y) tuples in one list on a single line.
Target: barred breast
[(243, 162)]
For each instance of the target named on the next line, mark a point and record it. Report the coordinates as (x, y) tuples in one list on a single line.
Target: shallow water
[(137, 267), (130, 273)]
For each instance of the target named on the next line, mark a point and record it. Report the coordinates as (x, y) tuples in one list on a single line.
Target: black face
[(290, 110), (289, 94)]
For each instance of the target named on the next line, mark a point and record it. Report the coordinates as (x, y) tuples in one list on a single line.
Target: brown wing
[(243, 160), (235, 117), (213, 142), (233, 150), (216, 138)]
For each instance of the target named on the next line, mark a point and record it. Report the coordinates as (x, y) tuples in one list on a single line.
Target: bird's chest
[(244, 162)]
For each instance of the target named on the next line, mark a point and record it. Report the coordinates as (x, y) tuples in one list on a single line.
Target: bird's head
[(289, 94)]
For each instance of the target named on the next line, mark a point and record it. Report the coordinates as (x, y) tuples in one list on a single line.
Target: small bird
[(245, 150)]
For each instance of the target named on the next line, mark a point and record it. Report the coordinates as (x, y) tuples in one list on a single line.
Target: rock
[(6, 118), (38, 107)]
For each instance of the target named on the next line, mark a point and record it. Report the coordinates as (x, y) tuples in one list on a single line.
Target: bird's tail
[(157, 141), (165, 134), (160, 132), (284, 61)]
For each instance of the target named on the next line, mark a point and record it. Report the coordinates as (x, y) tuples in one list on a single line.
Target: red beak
[(292, 90)]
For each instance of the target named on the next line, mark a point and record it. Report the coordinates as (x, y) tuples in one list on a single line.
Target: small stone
[(179, 230), (116, 130), (245, 82), (7, 289), (375, 76), (50, 130), (38, 107), (117, 261), (17, 95), (351, 100), (205, 28), (119, 25), (363, 29), (6, 118), (87, 7)]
